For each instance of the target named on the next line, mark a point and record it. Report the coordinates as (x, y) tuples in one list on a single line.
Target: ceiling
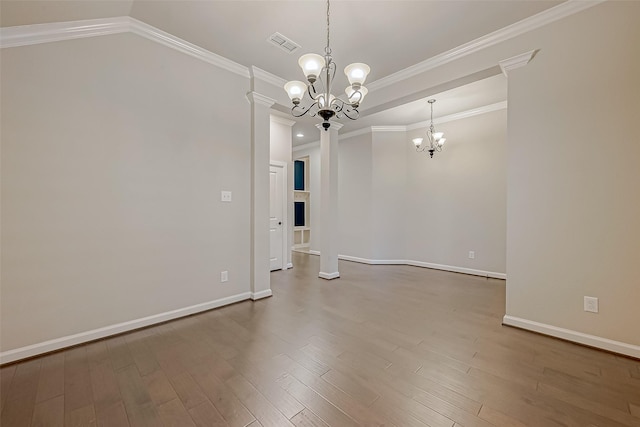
[(388, 35)]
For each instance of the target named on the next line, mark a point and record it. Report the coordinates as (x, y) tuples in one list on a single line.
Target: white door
[(276, 213)]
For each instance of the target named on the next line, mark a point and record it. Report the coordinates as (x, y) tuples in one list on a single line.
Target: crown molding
[(154, 34), (461, 115), (25, 35), (265, 76), (388, 129), (517, 61), (282, 120), (358, 132), (543, 18), (259, 99)]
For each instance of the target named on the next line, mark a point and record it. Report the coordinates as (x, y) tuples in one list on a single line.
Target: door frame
[(285, 210)]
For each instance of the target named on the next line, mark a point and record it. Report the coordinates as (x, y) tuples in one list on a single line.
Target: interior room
[(187, 240)]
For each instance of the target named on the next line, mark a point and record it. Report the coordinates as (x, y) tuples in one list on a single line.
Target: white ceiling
[(388, 35)]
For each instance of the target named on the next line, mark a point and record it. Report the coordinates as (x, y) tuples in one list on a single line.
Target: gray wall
[(114, 153), (573, 176)]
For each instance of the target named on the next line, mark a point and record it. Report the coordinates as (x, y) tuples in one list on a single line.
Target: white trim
[(454, 269), (262, 294), (118, 328), (152, 33), (257, 98), (328, 276), (351, 134), (517, 61), (289, 265), (388, 129), (24, 35), (464, 270), (444, 119), (545, 17), (282, 120), (265, 76), (574, 336), (461, 115)]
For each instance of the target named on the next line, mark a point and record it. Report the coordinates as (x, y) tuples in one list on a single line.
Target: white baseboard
[(262, 294), (574, 336), (329, 276), (464, 270), (289, 265), (83, 337)]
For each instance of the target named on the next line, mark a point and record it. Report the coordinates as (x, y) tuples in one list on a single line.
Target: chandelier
[(436, 140), (320, 72)]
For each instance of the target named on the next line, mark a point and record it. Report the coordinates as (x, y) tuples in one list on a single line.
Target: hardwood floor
[(382, 346)]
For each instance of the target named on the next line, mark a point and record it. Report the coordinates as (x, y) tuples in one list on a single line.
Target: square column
[(328, 237), (260, 159)]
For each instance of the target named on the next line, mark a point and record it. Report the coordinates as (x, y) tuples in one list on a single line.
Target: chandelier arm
[(298, 111), (350, 112)]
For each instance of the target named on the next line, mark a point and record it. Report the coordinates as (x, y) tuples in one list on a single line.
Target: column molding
[(260, 160), (328, 236)]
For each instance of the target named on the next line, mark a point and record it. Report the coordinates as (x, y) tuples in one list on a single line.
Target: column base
[(328, 276)]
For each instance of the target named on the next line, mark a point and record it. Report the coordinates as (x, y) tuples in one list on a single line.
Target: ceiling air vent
[(283, 42)]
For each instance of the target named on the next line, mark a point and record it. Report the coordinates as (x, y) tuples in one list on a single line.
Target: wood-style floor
[(384, 345)]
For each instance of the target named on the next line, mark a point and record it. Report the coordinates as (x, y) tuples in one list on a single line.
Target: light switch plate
[(591, 304)]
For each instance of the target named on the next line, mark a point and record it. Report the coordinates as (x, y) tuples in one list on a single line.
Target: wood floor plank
[(82, 417), (159, 388), (49, 413), (315, 402), (141, 411), (383, 345), (113, 416), (77, 381), (51, 380), (257, 404), (224, 400), (6, 376), (306, 418), (187, 390), (206, 415), (174, 414), (264, 379), (104, 386), (497, 418)]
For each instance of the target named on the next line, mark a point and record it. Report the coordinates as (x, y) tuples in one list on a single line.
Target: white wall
[(456, 202), (355, 196), (399, 205), (389, 195), (114, 153), (573, 195)]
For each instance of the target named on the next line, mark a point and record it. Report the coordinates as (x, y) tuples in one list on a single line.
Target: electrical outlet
[(225, 196), (472, 255), (224, 276), (591, 304)]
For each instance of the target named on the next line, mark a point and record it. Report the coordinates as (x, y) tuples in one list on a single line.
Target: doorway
[(277, 215)]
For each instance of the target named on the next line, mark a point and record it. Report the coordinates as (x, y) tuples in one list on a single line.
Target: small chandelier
[(320, 72), (436, 140)]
